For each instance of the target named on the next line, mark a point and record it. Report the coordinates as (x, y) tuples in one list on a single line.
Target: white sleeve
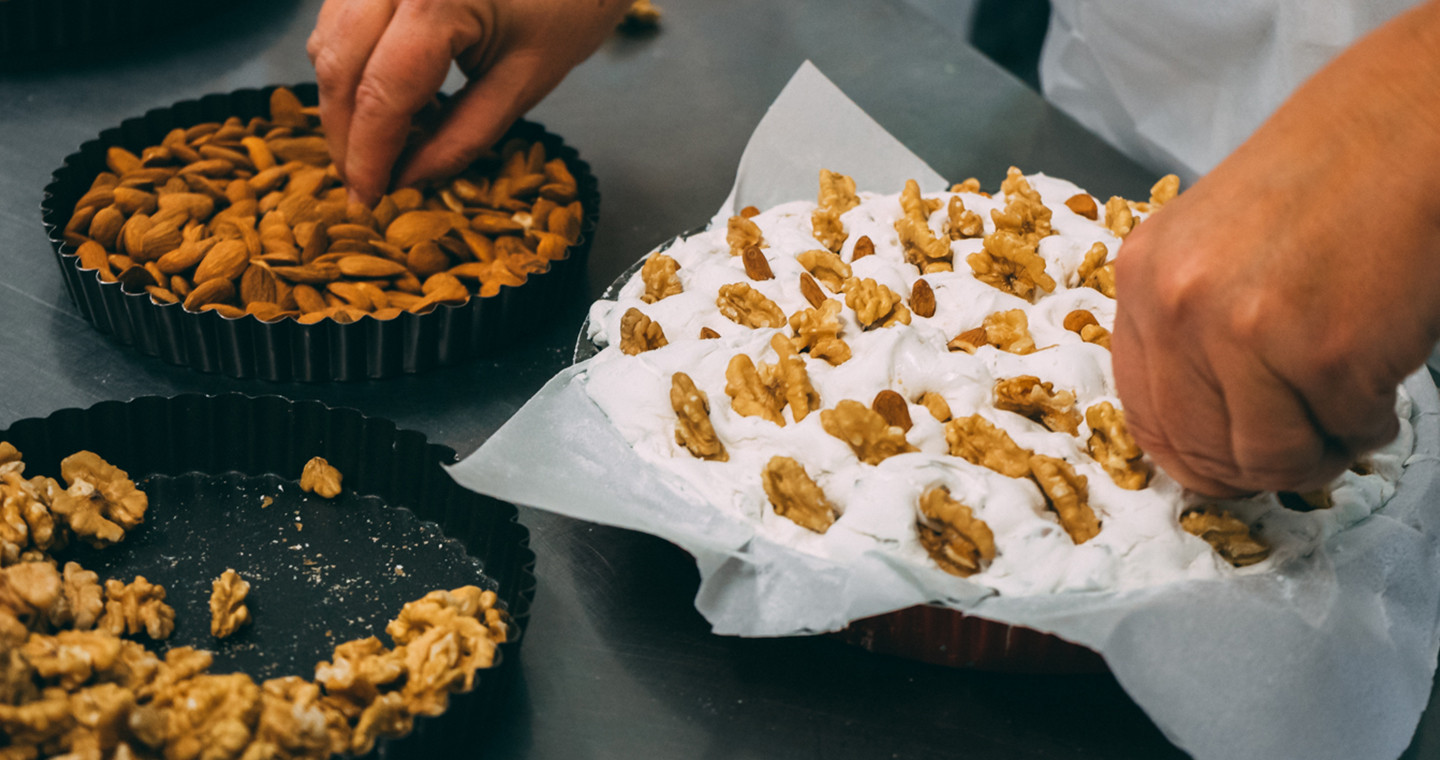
[(1177, 84)]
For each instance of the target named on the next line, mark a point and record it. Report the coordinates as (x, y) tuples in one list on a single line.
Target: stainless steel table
[(617, 664)]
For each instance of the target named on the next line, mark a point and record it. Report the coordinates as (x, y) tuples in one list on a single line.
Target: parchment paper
[(1331, 656)]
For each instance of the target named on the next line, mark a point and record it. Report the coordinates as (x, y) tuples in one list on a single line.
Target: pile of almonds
[(251, 218)]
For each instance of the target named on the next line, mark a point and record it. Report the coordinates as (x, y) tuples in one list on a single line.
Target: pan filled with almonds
[(217, 234)]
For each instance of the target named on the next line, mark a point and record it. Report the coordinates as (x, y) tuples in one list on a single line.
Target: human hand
[(1266, 315), (379, 62)]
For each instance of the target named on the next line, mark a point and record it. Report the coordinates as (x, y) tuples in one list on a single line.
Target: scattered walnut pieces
[(320, 478), (979, 442), (1228, 535), (795, 495), (1067, 493), (792, 380), (875, 305), (959, 542), (1084, 205), (693, 429), (866, 432), (960, 223), (1024, 213), (638, 333), (1027, 396), (1113, 447), (135, 607), (818, 332), (825, 266), (936, 404), (922, 248), (837, 195), (1009, 263), (742, 304), (1163, 191), (81, 601), (227, 604), (741, 233), (1095, 273), (1118, 218), (660, 278), (1006, 330)]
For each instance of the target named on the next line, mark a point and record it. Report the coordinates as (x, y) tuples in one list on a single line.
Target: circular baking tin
[(221, 473), (39, 33), (285, 350), (937, 635)]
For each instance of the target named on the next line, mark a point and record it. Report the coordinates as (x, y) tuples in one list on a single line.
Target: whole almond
[(195, 205), (260, 154), (121, 161), (210, 167), (968, 341), (162, 295), (186, 256), (417, 226), (893, 408), (136, 278), (257, 285), (349, 231), (369, 266), (863, 247), (308, 150), (210, 291), (922, 299), (351, 294), (1076, 320), (286, 109), (225, 261), (105, 226), (308, 299), (92, 256), (159, 240), (1084, 205), (132, 234), (756, 267), (426, 259), (707, 333), (224, 309), (97, 197), (811, 290), (310, 274), (487, 224), (132, 201)]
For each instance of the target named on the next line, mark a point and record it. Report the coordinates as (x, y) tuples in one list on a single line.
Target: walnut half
[(1067, 493), (796, 496), (1027, 396), (227, 604), (320, 478), (1114, 448), (693, 429), (868, 434), (959, 542), (1228, 535)]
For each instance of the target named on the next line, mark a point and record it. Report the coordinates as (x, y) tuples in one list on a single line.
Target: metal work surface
[(617, 664)]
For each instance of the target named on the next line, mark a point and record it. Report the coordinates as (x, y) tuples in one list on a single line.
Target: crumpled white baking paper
[(1328, 657)]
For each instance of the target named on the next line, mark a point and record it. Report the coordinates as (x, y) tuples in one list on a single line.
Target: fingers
[(405, 70), (476, 117), (346, 31)]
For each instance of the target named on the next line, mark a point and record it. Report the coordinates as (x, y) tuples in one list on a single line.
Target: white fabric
[(1178, 84)]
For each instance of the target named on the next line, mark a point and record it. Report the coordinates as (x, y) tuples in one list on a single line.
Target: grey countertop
[(616, 663)]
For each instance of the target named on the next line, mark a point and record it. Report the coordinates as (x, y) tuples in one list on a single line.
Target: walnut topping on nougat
[(795, 495), (959, 542), (993, 380)]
